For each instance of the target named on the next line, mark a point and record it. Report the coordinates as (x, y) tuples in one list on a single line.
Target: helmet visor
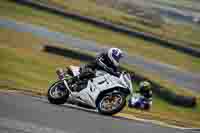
[(117, 55)]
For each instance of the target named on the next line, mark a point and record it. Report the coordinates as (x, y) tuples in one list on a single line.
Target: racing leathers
[(101, 62)]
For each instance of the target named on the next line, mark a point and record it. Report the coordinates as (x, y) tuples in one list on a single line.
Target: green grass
[(179, 32), (24, 66), (27, 68), (164, 83), (132, 45), (90, 8)]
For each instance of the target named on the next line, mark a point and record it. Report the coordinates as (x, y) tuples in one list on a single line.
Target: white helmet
[(115, 54)]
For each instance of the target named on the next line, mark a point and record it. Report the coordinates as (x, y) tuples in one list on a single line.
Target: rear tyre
[(111, 103), (57, 93)]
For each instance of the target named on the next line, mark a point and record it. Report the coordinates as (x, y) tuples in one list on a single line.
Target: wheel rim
[(57, 91), (110, 103)]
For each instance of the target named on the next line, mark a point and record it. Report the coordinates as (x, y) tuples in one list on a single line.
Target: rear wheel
[(112, 103), (57, 93)]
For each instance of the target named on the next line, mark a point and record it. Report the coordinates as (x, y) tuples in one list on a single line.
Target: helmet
[(145, 89), (115, 54)]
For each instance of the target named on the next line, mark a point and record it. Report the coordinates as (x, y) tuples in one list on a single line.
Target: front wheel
[(112, 103), (57, 93)]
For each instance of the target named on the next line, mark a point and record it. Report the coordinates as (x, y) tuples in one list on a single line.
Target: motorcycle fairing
[(97, 85)]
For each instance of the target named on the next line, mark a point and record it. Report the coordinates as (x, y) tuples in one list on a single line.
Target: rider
[(145, 90), (142, 99), (107, 61)]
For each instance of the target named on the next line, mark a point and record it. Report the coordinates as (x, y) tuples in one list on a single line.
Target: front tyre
[(57, 93), (111, 103)]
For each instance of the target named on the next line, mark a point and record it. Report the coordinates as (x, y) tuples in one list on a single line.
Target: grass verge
[(132, 45), (25, 67), (179, 32)]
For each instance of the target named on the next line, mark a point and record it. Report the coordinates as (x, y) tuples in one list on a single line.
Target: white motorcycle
[(104, 92)]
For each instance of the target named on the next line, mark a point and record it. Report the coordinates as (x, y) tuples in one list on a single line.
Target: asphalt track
[(25, 114), (167, 72)]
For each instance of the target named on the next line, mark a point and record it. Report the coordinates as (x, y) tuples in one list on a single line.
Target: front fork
[(66, 85), (61, 75)]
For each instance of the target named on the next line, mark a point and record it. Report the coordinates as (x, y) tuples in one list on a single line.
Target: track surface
[(25, 114), (168, 72)]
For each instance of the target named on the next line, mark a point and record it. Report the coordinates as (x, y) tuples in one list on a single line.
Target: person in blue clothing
[(142, 99)]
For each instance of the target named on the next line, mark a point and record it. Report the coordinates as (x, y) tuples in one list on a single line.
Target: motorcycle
[(105, 92)]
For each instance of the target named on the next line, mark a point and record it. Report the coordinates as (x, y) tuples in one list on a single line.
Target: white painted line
[(132, 117), (122, 115)]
